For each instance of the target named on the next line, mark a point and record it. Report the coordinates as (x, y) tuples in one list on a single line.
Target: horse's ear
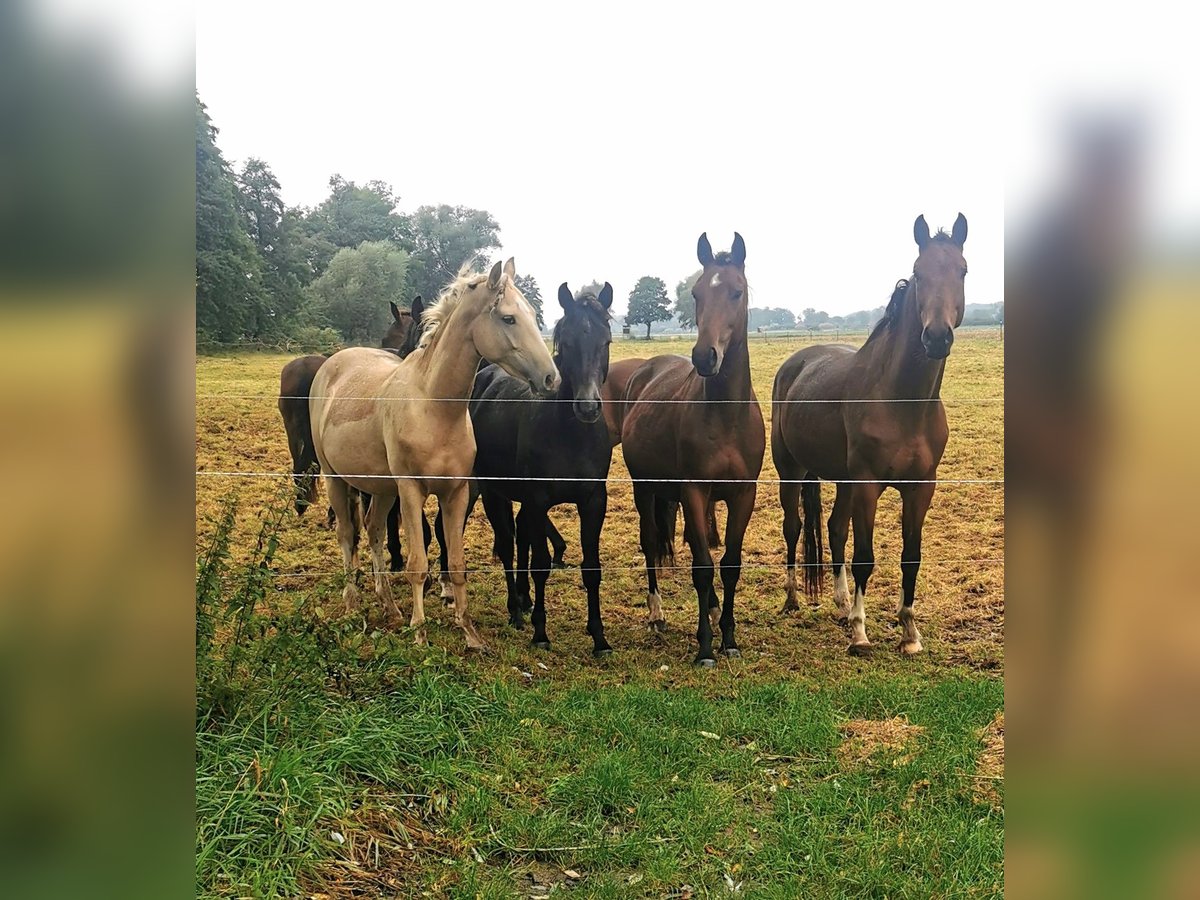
[(921, 232), (739, 250), (494, 275), (395, 310), (418, 308), (704, 250), (605, 297), (565, 298), (959, 234), (510, 267)]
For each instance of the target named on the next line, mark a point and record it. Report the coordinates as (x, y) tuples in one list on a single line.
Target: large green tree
[(685, 302), (443, 238), (352, 214), (770, 317), (648, 303), (353, 293), (528, 286), (230, 299)]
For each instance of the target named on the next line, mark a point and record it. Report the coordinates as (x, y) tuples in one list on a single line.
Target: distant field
[(787, 771)]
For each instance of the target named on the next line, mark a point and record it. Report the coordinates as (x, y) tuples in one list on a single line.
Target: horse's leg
[(535, 530), (789, 499), (558, 544), (378, 513), (439, 528), (395, 551), (839, 531), (864, 499), (347, 534), (522, 529), (427, 535), (695, 532), (453, 503), (714, 535), (644, 501), (412, 501), (739, 509), (916, 503), (591, 520), (499, 513)]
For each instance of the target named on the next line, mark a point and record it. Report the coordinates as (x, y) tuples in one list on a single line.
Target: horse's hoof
[(841, 618), (731, 652), (420, 639), (705, 662), (518, 624), (790, 606), (863, 649), (558, 564), (910, 648), (602, 651), (540, 645), (658, 625)]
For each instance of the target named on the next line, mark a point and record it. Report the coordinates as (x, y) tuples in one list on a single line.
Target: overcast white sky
[(605, 138)]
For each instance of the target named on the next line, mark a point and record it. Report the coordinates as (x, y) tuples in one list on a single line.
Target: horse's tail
[(295, 386), (666, 514), (810, 497)]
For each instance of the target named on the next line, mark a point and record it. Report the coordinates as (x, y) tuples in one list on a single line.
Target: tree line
[(322, 276)]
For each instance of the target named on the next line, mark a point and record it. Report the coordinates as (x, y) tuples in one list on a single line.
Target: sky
[(606, 138)]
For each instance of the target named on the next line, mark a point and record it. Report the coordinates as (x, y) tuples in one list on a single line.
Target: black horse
[(543, 453)]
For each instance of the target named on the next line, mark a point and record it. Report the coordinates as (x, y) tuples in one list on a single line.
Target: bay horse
[(556, 442), (707, 445), (869, 446), (400, 427), (612, 395)]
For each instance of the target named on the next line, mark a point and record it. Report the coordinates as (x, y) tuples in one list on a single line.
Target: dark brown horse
[(863, 441), (706, 445)]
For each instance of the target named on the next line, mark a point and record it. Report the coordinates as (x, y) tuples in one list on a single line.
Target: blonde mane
[(447, 302)]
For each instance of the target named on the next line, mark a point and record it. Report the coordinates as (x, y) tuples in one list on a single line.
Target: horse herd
[(465, 401)]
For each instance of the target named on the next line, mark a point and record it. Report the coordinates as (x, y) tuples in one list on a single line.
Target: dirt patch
[(989, 772), (865, 738)]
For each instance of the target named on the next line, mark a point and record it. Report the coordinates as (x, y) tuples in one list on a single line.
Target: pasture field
[(335, 759)]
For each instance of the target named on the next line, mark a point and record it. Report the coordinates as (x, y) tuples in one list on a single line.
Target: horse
[(866, 443), (706, 445), (612, 395), (295, 384), (554, 442), (400, 427)]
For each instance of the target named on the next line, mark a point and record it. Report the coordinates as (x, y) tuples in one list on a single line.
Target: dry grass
[(865, 738), (989, 773), (960, 593)]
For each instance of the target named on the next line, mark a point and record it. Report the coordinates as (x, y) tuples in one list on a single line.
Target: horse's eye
[(737, 295), (509, 320)]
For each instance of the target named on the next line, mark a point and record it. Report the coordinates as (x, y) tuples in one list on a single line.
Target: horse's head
[(507, 333), (721, 300), (939, 278), (412, 338), (402, 324), (581, 340)]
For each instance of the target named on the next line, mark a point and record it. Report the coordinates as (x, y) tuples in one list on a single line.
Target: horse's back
[(612, 394), (807, 428)]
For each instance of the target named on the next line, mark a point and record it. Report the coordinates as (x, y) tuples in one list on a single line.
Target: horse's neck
[(733, 381), (454, 361), (903, 370)]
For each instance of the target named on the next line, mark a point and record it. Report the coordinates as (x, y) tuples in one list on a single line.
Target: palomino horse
[(867, 443), (532, 452), (707, 445), (386, 425), (612, 395)]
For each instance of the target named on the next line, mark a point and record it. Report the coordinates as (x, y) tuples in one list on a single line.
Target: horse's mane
[(592, 307), (895, 306), (724, 258), (439, 312)]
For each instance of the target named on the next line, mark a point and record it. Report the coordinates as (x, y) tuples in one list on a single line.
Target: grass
[(525, 773)]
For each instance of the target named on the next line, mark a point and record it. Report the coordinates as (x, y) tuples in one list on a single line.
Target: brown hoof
[(790, 606), (658, 625), (420, 639), (910, 648), (841, 618), (863, 649)]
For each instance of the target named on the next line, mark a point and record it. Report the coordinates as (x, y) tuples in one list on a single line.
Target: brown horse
[(705, 445), (864, 442), (612, 396), (424, 445)]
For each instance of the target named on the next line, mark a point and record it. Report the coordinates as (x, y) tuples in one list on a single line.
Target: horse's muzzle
[(937, 342), (587, 411), (706, 360), (548, 384)]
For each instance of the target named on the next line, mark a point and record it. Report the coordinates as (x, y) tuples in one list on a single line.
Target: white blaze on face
[(716, 280)]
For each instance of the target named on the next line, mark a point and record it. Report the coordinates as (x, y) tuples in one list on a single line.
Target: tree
[(353, 293), (685, 302), (771, 317), (443, 239), (350, 215), (648, 303), (814, 317), (229, 295), (528, 286)]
